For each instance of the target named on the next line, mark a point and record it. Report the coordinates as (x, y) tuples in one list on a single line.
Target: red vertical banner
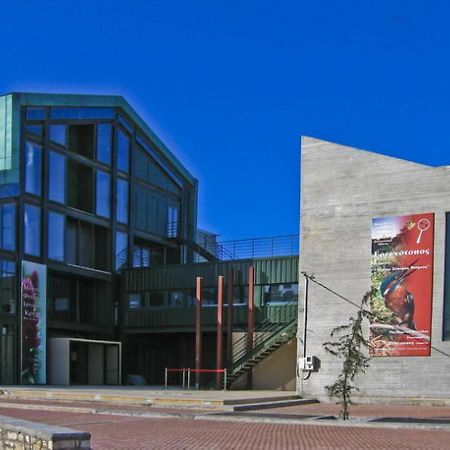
[(402, 280)]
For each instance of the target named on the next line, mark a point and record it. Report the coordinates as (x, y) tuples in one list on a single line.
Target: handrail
[(240, 347), (260, 346)]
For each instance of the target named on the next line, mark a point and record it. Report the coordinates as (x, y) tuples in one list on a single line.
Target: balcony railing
[(185, 317)]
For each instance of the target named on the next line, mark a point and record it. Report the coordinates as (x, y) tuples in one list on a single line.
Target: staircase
[(267, 337)]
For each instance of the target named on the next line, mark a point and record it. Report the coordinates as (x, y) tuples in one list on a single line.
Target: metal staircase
[(267, 337)]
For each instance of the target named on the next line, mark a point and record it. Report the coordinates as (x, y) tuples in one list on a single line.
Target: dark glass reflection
[(32, 222), (82, 113), (104, 143), (123, 151), (122, 201), (33, 159), (58, 134), (121, 249), (103, 188), (57, 177), (7, 287), (8, 227), (35, 113), (56, 231)]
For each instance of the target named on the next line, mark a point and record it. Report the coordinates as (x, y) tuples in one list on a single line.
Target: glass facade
[(8, 296), (56, 229), (122, 201), (104, 134), (32, 230), (33, 168), (103, 194), (57, 177), (121, 246), (58, 134), (8, 227), (123, 151)]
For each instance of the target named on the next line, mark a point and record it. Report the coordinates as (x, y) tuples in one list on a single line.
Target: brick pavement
[(364, 410), (123, 433)]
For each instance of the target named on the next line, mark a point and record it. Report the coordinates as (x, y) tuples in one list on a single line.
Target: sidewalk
[(146, 427)]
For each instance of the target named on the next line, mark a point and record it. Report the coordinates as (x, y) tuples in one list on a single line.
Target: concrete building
[(349, 200)]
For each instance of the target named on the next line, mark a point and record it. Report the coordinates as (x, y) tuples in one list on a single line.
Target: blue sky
[(231, 86)]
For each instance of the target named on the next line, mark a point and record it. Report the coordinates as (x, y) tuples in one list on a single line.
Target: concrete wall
[(342, 190)]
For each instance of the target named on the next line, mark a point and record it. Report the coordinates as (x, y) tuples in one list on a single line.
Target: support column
[(219, 347), (198, 330), (230, 317), (250, 317)]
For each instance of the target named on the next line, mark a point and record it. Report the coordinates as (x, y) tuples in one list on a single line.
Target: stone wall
[(342, 189), (16, 434)]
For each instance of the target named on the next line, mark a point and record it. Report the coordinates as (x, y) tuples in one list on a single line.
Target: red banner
[(402, 278)]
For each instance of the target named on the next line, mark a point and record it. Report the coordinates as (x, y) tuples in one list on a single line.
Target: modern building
[(99, 244), (370, 221)]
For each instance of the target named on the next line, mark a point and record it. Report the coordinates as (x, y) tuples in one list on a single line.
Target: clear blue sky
[(231, 86)]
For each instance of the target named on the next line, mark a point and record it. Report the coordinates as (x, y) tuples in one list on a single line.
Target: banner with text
[(34, 322), (402, 278)]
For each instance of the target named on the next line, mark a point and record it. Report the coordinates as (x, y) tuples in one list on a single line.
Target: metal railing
[(206, 247)]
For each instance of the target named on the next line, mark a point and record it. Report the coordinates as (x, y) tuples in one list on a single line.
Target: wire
[(312, 278)]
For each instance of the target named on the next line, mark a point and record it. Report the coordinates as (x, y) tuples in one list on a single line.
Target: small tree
[(349, 344)]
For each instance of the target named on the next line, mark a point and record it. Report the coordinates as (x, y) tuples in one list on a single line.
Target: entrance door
[(78, 363)]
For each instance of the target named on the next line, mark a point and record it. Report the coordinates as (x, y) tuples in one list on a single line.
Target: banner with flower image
[(402, 279), (34, 323)]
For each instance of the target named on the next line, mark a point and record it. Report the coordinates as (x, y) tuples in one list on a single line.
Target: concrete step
[(224, 400), (274, 404)]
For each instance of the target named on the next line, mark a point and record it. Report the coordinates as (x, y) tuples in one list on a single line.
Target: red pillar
[(251, 315), (198, 330), (230, 316), (219, 347)]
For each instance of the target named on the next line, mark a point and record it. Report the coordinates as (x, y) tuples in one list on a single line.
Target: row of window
[(272, 294), (72, 183), (89, 141), (95, 142)]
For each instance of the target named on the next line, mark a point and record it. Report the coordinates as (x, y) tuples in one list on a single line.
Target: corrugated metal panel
[(268, 271)]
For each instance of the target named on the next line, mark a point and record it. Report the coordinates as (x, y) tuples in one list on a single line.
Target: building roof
[(105, 101)]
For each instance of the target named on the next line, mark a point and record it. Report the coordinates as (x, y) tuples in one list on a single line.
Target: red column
[(219, 347), (230, 316), (198, 330), (250, 317)]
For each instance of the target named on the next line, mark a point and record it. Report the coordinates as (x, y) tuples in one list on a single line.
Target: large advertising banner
[(34, 322), (402, 280)]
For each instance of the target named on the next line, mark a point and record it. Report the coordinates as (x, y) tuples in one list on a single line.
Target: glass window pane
[(280, 293), (123, 151), (103, 205), (121, 249), (82, 113), (61, 304), (122, 201), (104, 143), (56, 231), (135, 301), (58, 134), (8, 287), (34, 129), (156, 298), (8, 227), (33, 157), (57, 177), (32, 221), (34, 113)]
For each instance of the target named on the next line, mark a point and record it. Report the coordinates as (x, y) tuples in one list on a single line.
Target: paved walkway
[(122, 427), (123, 433)]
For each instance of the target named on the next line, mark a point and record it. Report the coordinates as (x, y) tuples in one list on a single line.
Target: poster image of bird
[(402, 282)]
